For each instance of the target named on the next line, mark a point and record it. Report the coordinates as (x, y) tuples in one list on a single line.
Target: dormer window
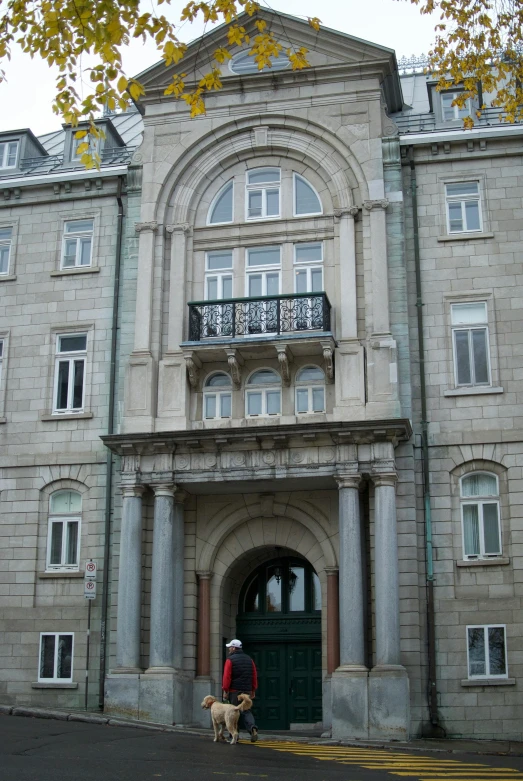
[(94, 147), (453, 112), (8, 154)]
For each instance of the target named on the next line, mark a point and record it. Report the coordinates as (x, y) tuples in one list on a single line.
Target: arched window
[(221, 209), (310, 390), (263, 394), (306, 199), (281, 586), (480, 516), (217, 397), (244, 63), (63, 542)]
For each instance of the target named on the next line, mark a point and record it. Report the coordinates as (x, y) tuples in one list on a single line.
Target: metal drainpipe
[(110, 430), (431, 623)]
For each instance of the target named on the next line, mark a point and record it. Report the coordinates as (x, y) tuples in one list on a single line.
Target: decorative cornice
[(379, 203), (143, 227), (182, 227)]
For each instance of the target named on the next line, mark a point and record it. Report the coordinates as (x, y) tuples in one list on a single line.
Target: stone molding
[(163, 489), (388, 479), (143, 227), (204, 574), (181, 227), (379, 203)]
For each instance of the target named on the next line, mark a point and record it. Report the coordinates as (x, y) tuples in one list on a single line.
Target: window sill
[(66, 272), (54, 685), (66, 416), (466, 236), (7, 277), (479, 391), (489, 682), (60, 574), (502, 561)]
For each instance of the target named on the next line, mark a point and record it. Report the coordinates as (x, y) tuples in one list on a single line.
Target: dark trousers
[(246, 720)]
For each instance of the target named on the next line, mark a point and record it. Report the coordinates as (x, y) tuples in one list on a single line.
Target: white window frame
[(220, 274), (295, 177), (262, 271), (215, 201), (57, 636), (218, 391), (479, 501), (463, 199), (263, 389), (64, 519), (487, 674), (79, 237), (4, 155), (309, 386), (94, 145), (458, 113), (6, 244), (469, 327), (263, 187), (71, 357)]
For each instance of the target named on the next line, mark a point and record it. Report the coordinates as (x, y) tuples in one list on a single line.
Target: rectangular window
[(69, 384), (487, 651), (481, 530), (217, 405), (463, 204), (470, 343), (451, 112), (263, 193), (6, 235), (77, 244), (56, 657), (218, 278), (8, 154), (63, 542), (264, 282)]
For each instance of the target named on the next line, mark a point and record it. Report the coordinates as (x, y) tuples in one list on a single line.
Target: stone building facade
[(286, 469)]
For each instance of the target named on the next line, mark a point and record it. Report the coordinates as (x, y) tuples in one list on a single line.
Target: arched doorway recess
[(279, 623)]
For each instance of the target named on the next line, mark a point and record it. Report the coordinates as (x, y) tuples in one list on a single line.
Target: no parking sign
[(90, 579), (90, 589)]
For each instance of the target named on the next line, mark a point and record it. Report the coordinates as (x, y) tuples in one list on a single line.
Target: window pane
[(222, 211), (310, 373), (66, 502), (245, 63), (210, 406), (264, 256), (476, 643), (302, 400), (455, 217), (71, 553), (255, 203), (55, 556), (469, 314), (218, 380), (316, 280), (65, 656), (471, 529), (6, 234), (79, 226), (4, 259), (254, 403), (306, 199), (273, 284), (479, 349), (463, 188), (448, 109), (461, 339), (63, 384), (255, 285), (225, 405), (263, 175), (491, 528), (273, 203), (69, 258), (85, 252), (296, 588), (301, 282), (68, 344), (274, 582), (273, 402), (252, 597), (47, 656), (212, 288), (78, 387), (309, 252), (265, 377), (216, 260), (496, 650), (316, 592), (12, 149), (226, 287), (318, 399), (479, 485), (472, 215)]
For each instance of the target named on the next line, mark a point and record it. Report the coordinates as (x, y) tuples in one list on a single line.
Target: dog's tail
[(245, 702)]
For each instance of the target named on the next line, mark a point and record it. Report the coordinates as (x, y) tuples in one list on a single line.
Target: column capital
[(379, 203), (143, 227), (348, 480), (384, 479), (204, 574), (163, 489), (129, 490), (181, 227), (330, 571), (346, 211)]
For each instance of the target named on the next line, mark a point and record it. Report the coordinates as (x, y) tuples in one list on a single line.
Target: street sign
[(89, 589), (90, 569)]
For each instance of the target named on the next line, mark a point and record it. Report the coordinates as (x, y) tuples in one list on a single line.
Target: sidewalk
[(487, 747)]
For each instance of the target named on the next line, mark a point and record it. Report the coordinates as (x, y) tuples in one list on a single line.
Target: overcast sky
[(26, 98)]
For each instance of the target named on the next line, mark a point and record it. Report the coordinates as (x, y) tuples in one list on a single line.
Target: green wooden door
[(305, 689), (270, 704)]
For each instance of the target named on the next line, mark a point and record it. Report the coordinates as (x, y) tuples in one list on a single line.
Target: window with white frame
[(217, 397), (452, 112), (77, 246), (56, 657), (92, 143), (308, 278), (487, 651), (221, 210), (69, 380), (6, 238), (306, 199), (8, 154), (263, 278), (310, 390), (263, 193), (463, 205), (263, 394), (480, 516), (218, 286), (470, 341), (63, 541)]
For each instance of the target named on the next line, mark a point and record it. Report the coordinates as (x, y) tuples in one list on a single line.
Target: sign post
[(89, 594)]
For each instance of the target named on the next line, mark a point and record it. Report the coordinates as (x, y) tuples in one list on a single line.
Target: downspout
[(431, 621), (110, 430)]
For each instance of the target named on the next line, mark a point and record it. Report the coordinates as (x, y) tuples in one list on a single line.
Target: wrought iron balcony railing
[(267, 316)]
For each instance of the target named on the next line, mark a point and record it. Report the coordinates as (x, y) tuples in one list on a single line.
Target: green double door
[(289, 683)]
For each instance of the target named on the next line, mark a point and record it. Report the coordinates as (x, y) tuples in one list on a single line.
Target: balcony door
[(263, 281)]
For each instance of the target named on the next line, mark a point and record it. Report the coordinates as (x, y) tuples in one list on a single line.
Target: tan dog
[(224, 715)]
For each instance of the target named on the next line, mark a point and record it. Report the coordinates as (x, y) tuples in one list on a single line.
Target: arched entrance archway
[(279, 623)]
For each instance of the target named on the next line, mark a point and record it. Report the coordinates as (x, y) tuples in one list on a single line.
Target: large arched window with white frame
[(217, 397), (221, 210), (310, 390), (63, 541), (480, 515), (263, 394)]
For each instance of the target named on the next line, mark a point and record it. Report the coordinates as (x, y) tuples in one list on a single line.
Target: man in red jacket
[(240, 677)]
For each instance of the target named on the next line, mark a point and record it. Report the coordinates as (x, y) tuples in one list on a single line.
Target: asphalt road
[(47, 750)]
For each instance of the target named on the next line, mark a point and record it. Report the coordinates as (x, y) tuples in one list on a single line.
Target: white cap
[(234, 644)]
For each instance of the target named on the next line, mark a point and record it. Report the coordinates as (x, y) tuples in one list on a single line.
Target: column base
[(350, 702), (160, 671), (202, 686), (157, 695), (127, 671), (389, 703)]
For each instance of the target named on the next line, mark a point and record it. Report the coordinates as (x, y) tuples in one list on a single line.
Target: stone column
[(130, 582), (333, 620), (179, 575), (162, 582), (203, 669)]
